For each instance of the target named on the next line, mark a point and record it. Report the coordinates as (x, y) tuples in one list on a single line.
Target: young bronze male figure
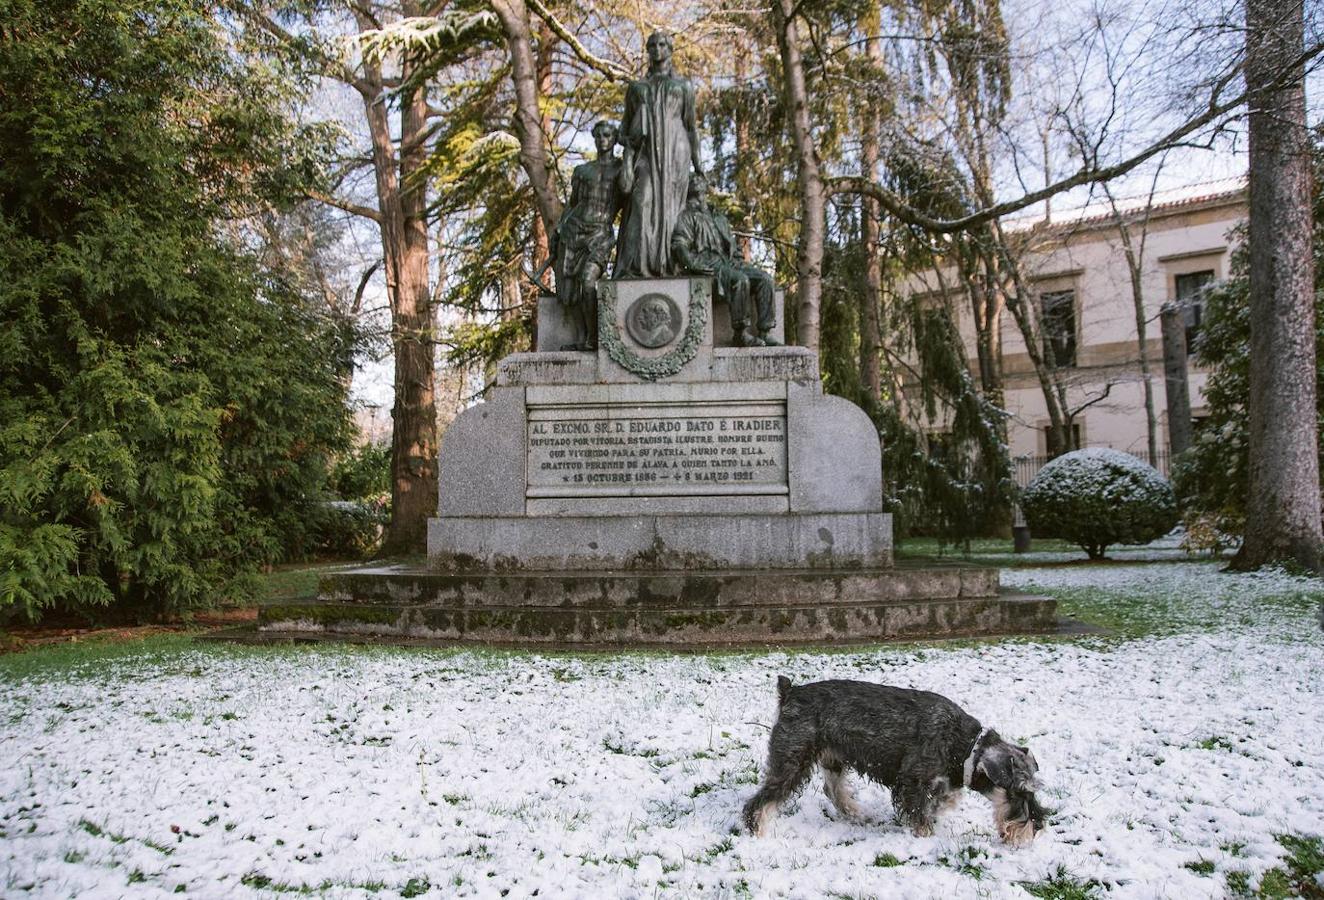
[(583, 239)]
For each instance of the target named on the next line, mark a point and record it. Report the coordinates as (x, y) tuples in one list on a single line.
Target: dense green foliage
[(168, 407), (352, 525), (1098, 497), (956, 484), (1212, 477), (363, 473), (348, 529), (954, 487)]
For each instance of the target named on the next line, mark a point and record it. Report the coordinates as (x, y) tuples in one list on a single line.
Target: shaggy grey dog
[(921, 746)]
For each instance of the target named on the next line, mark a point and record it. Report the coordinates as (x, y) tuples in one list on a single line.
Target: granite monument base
[(696, 607), (661, 490)]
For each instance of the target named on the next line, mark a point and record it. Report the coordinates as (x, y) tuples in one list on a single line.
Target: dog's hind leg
[(790, 760), (835, 786)]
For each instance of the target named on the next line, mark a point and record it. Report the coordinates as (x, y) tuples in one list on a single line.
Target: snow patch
[(359, 772)]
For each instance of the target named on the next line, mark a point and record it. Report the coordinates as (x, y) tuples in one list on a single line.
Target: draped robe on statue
[(658, 131)]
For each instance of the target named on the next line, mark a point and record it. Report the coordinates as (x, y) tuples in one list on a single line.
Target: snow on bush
[(1097, 497)]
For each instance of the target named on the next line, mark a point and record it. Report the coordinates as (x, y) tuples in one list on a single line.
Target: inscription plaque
[(657, 450)]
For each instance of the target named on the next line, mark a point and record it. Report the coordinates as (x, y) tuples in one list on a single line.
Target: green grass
[(1062, 885), (88, 657), (1143, 613), (980, 549), (299, 580), (723, 846), (1296, 877), (1126, 613), (290, 582), (1238, 884), (96, 830), (415, 887)]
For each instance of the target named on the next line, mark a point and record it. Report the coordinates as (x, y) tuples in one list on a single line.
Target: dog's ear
[(783, 688), (1008, 766), (995, 763)]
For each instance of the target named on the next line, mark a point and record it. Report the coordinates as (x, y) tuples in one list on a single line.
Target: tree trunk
[(1018, 300), (402, 200), (744, 165), (533, 156), (1283, 509), (986, 302), (813, 192), (871, 299), (1134, 264), (546, 44), (541, 228), (1175, 378)]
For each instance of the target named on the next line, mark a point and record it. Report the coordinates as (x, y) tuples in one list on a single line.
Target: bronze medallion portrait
[(653, 320)]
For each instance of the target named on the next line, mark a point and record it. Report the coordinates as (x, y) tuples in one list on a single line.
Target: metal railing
[(1026, 467)]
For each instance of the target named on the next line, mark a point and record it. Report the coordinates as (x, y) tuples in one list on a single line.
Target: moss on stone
[(328, 614), (837, 619), (703, 619)]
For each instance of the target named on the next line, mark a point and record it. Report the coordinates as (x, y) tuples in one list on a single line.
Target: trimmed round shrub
[(1098, 497)]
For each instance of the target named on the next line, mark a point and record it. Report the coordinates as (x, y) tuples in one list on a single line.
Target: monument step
[(690, 590), (770, 623), (649, 541)]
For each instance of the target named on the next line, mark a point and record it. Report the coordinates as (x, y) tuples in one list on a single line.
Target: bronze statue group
[(667, 227)]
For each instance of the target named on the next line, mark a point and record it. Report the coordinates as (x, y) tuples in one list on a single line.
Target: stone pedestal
[(555, 330), (663, 489), (660, 450)]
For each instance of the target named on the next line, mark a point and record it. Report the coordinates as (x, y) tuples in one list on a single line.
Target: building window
[(1190, 299), (1059, 318), (1076, 436)]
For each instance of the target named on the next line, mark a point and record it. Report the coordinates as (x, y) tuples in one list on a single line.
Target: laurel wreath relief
[(654, 367)]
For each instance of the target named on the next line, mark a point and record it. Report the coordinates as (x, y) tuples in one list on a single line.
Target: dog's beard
[(1017, 815)]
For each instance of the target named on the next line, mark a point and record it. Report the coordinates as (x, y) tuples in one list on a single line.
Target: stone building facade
[(1078, 269)]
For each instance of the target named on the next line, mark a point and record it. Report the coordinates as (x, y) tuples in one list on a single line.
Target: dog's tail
[(783, 688)]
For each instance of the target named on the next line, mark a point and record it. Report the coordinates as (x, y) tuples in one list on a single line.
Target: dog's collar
[(973, 758)]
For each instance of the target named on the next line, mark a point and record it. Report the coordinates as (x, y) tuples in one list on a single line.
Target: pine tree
[(168, 406)]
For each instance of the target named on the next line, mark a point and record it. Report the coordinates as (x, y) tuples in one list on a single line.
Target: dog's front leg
[(918, 795)]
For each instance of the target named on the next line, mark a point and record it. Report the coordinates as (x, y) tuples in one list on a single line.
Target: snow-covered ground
[(1172, 763)]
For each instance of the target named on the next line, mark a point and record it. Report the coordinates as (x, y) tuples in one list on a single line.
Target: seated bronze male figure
[(703, 244)]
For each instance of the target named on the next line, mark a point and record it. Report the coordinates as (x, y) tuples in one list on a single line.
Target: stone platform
[(708, 608), (661, 542), (661, 490)]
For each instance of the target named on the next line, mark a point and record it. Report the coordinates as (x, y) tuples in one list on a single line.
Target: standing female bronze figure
[(661, 143)]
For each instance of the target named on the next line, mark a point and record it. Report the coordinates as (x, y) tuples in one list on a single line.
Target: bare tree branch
[(1107, 389), (605, 67), (1087, 174), (357, 307), (348, 206), (329, 65)]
